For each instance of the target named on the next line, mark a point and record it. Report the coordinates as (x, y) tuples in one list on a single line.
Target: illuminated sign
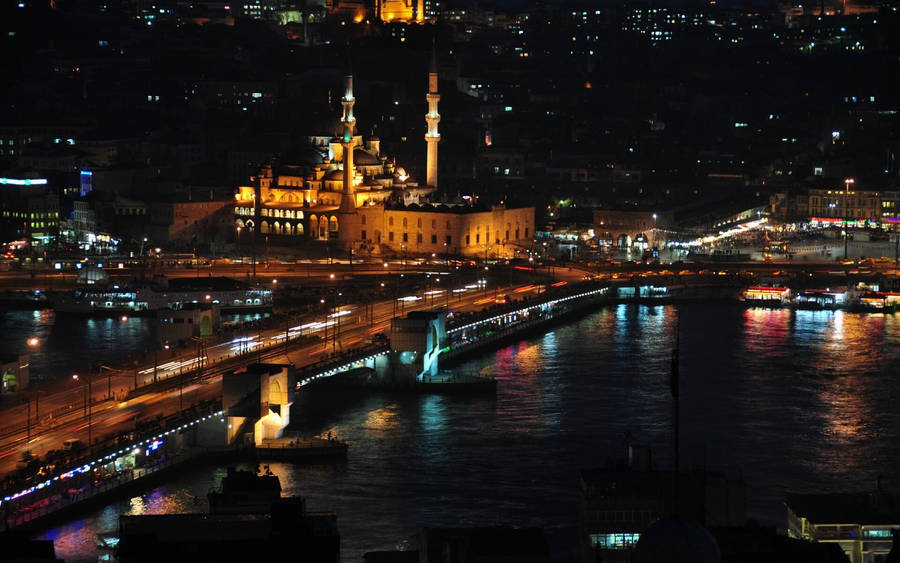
[(25, 182)]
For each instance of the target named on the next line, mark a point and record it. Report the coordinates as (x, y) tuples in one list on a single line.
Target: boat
[(766, 296), (136, 299)]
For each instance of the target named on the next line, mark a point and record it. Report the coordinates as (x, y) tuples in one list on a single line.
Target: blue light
[(21, 4)]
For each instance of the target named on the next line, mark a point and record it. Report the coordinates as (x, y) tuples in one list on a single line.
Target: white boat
[(145, 299)]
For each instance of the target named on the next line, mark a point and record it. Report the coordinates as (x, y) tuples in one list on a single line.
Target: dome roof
[(306, 156), (676, 541), (336, 174), (363, 158), (325, 125)]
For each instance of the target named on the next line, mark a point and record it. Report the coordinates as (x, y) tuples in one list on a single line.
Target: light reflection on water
[(801, 401), (69, 344)]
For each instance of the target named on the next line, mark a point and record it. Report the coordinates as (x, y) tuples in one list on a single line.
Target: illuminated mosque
[(343, 189)]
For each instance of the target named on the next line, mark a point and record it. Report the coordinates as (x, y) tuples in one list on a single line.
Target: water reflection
[(801, 401)]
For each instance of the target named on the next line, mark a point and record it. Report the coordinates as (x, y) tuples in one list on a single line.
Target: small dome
[(676, 541)]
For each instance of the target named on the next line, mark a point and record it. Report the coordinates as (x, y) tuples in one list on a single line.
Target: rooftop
[(846, 508)]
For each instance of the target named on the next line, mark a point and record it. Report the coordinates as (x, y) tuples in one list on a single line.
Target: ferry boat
[(161, 293), (766, 296), (819, 299)]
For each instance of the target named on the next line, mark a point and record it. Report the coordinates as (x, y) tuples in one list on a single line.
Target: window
[(362, 220), (433, 224), (419, 222), (405, 237), (526, 232), (614, 541), (477, 238), (433, 239), (448, 224), (391, 236), (404, 221), (447, 240), (419, 238), (363, 235), (391, 222), (507, 234), (468, 240)]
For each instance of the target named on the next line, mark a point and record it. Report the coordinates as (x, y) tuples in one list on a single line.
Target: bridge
[(121, 459), (350, 359), (471, 334)]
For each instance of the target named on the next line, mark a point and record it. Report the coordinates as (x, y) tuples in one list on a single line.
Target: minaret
[(348, 201), (432, 137)]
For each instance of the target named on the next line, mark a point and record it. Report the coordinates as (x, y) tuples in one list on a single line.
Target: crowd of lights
[(544, 304), (173, 365), (339, 369), (151, 443), (740, 229)]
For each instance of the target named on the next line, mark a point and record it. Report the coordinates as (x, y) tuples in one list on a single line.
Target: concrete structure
[(190, 320), (416, 344), (257, 401), (862, 524)]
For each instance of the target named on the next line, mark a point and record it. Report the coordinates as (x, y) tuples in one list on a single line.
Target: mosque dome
[(676, 541), (363, 158)]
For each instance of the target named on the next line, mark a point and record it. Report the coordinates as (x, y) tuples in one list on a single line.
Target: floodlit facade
[(343, 189)]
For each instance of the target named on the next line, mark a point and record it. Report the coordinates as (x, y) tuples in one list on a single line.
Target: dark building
[(247, 518)]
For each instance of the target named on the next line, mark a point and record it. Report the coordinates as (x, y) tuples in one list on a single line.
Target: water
[(68, 344), (802, 401)]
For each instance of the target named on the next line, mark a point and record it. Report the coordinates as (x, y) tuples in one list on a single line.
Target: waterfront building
[(862, 524), (846, 203), (620, 503), (343, 189)]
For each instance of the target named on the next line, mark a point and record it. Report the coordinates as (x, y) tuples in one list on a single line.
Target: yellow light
[(33, 341)]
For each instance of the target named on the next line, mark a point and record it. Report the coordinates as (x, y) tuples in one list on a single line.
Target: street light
[(33, 341)]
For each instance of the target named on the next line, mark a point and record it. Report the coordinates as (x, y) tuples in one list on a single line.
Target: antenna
[(674, 384)]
